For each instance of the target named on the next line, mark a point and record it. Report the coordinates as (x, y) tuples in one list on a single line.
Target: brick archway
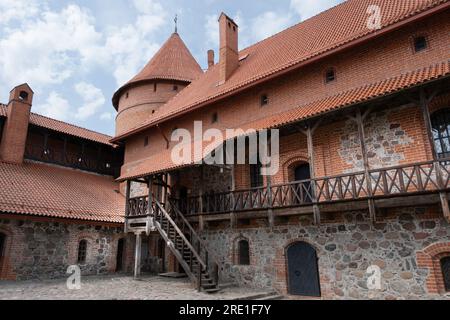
[(281, 267), (430, 258), (290, 164), (5, 254)]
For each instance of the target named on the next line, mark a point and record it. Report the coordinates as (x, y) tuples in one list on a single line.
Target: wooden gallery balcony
[(414, 184)]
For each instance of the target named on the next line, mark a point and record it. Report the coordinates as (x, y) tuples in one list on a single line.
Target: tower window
[(330, 75), (154, 86), (420, 43), (82, 251), (127, 95), (244, 253), (145, 141), (175, 88), (23, 95), (215, 117), (264, 100)]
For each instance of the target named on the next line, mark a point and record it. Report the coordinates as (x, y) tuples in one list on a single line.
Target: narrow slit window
[(330, 75), (264, 100), (244, 253), (420, 43), (82, 251), (215, 117), (145, 141)]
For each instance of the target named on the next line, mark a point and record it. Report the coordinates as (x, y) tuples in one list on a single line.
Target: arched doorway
[(303, 271), (120, 255), (301, 173), (2, 250)]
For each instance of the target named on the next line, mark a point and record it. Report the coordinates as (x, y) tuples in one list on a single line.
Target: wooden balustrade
[(418, 178)]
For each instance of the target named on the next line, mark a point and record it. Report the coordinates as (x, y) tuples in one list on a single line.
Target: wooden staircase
[(186, 245)]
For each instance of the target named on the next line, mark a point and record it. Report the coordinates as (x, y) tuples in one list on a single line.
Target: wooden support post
[(137, 256), (362, 140), (127, 204), (310, 142), (201, 221), (150, 212), (270, 215), (233, 220), (424, 102)]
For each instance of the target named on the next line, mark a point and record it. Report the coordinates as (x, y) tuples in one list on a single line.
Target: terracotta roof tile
[(163, 162), (45, 190), (173, 61), (63, 127), (292, 47)]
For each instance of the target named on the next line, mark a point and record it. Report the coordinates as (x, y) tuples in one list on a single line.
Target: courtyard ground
[(117, 288)]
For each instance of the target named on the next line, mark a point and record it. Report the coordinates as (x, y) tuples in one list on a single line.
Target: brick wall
[(382, 58), (141, 102), (404, 245), (43, 249)]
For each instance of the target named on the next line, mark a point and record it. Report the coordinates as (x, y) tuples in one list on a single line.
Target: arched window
[(82, 252), (120, 254), (445, 266), (244, 253), (440, 122)]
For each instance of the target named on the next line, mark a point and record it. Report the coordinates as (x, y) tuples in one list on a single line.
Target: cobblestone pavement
[(115, 288)]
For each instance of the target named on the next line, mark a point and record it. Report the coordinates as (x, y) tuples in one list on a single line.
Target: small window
[(244, 253), (23, 95), (420, 43), (153, 111), (445, 266), (127, 95), (154, 86), (330, 75), (256, 179), (215, 117), (175, 88), (264, 100), (82, 252), (145, 141)]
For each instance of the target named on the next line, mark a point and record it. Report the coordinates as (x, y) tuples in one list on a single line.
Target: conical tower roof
[(173, 61)]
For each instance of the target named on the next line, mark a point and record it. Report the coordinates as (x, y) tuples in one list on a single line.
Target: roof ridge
[(70, 124)]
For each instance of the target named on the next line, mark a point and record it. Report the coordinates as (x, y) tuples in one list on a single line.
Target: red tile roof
[(50, 191), (173, 61), (63, 127), (163, 162), (329, 31)]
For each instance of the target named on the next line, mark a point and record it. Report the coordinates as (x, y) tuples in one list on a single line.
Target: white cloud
[(47, 50), (93, 100), (308, 8), (268, 24), (18, 10), (55, 107), (106, 116), (212, 31)]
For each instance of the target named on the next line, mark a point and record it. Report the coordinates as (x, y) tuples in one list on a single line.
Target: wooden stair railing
[(193, 258)]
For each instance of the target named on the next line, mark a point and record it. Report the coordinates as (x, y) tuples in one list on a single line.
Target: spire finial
[(176, 23)]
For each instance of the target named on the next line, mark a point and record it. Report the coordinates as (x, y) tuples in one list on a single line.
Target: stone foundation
[(44, 250), (345, 250)]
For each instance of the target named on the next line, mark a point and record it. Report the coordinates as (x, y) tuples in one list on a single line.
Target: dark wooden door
[(445, 265), (303, 270), (303, 190), (120, 253)]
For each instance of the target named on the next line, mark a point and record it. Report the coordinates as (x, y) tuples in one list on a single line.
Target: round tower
[(171, 69)]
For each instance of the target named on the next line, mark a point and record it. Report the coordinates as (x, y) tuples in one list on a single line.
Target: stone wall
[(44, 250), (345, 250)]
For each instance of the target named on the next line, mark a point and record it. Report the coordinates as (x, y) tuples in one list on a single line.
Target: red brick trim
[(430, 258), (281, 266)]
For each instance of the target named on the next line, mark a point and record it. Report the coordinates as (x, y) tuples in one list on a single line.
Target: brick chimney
[(210, 58), (12, 147), (229, 52)]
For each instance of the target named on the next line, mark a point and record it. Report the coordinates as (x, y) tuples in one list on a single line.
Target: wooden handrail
[(180, 233), (191, 229)]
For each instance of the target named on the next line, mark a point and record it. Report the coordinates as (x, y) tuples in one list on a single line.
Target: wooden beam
[(362, 140), (310, 142), (137, 256), (127, 199), (201, 224)]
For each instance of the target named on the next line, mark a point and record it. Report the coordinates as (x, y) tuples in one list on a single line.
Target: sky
[(76, 54)]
